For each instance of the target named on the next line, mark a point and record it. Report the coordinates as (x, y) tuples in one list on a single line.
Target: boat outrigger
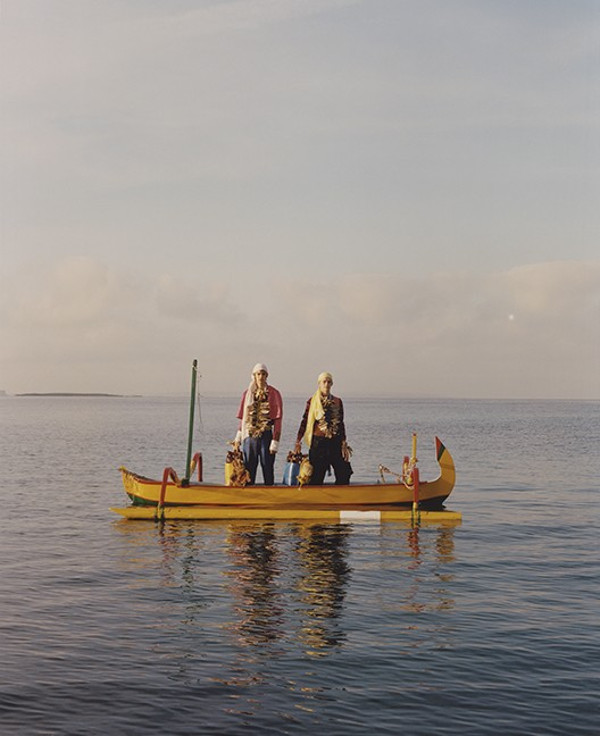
[(406, 497)]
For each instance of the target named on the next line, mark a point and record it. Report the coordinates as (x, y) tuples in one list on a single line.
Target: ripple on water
[(234, 628)]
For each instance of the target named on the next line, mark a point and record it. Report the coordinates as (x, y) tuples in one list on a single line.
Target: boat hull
[(358, 496), (330, 516)]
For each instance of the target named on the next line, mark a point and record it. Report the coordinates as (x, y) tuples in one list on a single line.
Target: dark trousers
[(325, 453), (256, 449)]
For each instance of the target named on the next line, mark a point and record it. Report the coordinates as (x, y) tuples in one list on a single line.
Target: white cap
[(260, 367)]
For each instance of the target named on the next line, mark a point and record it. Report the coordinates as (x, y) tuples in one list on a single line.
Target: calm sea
[(110, 626)]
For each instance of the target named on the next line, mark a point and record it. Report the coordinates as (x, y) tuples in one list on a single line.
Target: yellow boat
[(326, 516), (395, 500)]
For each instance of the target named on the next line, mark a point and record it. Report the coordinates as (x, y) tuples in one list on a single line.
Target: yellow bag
[(306, 471), (235, 470), (228, 469)]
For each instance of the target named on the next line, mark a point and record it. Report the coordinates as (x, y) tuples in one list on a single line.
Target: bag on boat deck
[(306, 471), (290, 474), (228, 469), (292, 468), (235, 470)]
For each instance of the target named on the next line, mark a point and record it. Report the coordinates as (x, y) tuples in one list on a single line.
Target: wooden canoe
[(213, 499)]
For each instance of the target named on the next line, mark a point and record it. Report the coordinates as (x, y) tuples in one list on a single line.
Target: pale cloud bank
[(405, 193), (531, 331)]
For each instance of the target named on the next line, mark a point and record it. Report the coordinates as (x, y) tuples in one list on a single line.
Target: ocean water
[(109, 626)]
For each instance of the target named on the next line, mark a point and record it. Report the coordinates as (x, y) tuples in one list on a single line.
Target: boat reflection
[(426, 557), (253, 583), (285, 584), (287, 579), (322, 582)]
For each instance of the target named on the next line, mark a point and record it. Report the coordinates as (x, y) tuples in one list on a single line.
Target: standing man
[(260, 415), (323, 430)]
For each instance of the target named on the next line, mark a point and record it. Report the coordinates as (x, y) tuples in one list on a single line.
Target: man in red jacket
[(260, 415)]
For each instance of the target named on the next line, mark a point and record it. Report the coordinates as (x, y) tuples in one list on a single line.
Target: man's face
[(261, 378), (325, 385)]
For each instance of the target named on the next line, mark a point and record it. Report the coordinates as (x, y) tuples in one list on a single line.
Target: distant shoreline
[(96, 395)]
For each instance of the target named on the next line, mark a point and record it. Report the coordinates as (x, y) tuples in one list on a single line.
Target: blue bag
[(290, 474)]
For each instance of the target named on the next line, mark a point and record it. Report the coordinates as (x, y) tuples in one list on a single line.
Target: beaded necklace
[(329, 424), (258, 413)]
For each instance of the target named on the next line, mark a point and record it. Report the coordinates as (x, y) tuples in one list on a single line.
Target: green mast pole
[(186, 479)]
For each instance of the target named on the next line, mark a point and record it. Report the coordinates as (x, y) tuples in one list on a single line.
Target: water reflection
[(254, 585), (444, 545), (270, 565), (282, 584), (415, 549), (234, 603), (324, 574), (427, 557)]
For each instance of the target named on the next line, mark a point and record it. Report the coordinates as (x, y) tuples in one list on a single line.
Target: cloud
[(527, 331), (88, 42), (77, 323), (118, 114), (450, 302), (215, 18), (457, 333), (76, 293), (196, 302), (313, 183)]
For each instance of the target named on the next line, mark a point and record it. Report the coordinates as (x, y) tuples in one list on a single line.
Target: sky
[(403, 192)]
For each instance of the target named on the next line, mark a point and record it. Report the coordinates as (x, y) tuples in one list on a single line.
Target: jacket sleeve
[(302, 429), (240, 413), (342, 425), (275, 411)]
